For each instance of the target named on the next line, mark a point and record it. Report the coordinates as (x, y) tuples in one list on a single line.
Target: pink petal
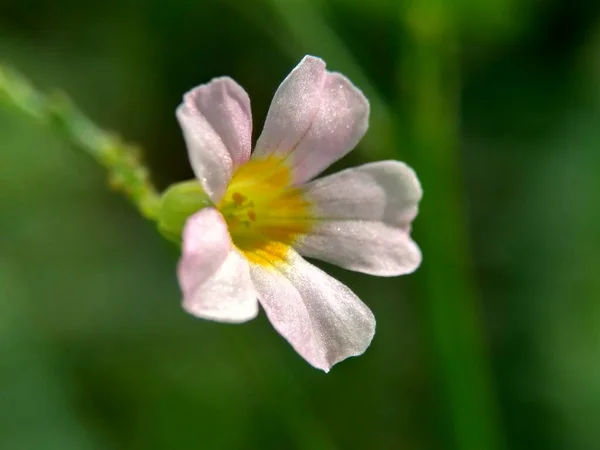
[(316, 117), (214, 277), (217, 126), (321, 318), (365, 215)]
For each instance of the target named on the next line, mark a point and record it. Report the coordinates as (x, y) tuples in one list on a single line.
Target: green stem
[(431, 73), (127, 174)]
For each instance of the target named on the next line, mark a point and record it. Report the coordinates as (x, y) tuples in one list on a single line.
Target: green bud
[(178, 203)]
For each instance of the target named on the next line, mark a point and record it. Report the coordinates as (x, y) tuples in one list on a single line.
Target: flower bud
[(177, 204)]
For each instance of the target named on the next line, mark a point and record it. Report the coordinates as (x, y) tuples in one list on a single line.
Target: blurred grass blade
[(430, 69), (311, 34)]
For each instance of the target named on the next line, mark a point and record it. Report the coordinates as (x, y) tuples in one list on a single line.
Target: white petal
[(217, 126), (320, 317), (293, 108), (364, 219), (316, 117), (214, 277), (227, 296)]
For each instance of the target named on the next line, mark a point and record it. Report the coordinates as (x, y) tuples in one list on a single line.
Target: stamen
[(270, 215), (238, 198)]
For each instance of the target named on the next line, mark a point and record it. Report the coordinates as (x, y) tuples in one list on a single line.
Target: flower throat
[(265, 214)]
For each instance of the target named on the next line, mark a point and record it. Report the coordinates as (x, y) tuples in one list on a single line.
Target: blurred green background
[(493, 344)]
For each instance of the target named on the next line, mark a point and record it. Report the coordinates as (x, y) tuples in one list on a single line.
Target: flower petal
[(316, 117), (213, 276), (217, 126), (363, 219), (320, 317)]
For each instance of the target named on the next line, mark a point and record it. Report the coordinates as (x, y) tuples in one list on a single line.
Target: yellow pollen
[(265, 214)]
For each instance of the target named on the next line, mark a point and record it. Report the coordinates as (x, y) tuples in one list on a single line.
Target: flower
[(266, 212)]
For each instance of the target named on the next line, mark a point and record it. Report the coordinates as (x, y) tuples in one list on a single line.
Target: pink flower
[(247, 249)]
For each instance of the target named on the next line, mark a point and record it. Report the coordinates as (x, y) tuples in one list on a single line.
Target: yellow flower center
[(265, 214)]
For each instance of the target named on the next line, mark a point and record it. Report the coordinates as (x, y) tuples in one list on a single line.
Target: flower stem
[(127, 173), (430, 76)]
